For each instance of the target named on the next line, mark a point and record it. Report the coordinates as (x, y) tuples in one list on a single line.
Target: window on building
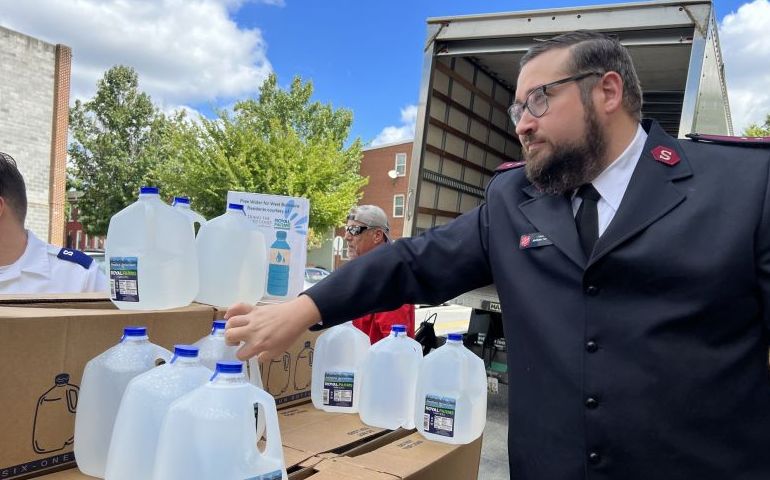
[(401, 164), (344, 252), (398, 205)]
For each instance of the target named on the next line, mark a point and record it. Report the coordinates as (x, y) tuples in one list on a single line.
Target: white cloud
[(185, 51), (394, 134), (746, 48)]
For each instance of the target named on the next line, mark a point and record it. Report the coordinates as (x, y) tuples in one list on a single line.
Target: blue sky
[(362, 55), (366, 56)]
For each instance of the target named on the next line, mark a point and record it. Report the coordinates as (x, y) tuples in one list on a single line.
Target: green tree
[(755, 130), (280, 144), (117, 142)]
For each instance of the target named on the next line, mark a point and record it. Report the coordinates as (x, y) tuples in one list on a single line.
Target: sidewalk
[(494, 450)]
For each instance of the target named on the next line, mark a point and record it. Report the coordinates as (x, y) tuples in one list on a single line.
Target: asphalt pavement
[(494, 447)]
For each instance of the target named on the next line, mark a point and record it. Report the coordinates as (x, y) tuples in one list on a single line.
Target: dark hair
[(596, 52), (12, 187)]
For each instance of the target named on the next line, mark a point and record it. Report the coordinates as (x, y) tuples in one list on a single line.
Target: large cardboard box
[(406, 458), (43, 352), (45, 342), (317, 435)]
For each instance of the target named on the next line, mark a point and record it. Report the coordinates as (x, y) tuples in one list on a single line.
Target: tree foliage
[(280, 144), (755, 130), (117, 141)]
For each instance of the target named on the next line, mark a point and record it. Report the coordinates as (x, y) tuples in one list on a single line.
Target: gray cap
[(371, 216)]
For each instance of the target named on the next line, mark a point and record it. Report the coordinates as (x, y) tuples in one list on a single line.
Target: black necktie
[(587, 218)]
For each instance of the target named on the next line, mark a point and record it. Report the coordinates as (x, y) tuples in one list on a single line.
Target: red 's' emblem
[(524, 241), (665, 155)]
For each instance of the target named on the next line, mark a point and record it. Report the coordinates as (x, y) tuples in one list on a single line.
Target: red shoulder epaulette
[(509, 166), (728, 140)]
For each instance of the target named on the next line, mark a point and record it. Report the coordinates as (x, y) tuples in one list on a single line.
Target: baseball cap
[(371, 216)]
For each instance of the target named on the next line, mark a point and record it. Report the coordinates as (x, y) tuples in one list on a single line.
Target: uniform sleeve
[(432, 268), (763, 251)]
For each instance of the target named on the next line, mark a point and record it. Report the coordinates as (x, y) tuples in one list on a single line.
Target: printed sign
[(284, 223)]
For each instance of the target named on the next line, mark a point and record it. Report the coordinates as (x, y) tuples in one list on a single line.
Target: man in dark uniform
[(633, 271)]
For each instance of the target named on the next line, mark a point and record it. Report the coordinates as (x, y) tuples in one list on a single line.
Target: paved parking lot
[(494, 448)]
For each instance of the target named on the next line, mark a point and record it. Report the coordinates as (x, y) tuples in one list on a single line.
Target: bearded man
[(633, 271)]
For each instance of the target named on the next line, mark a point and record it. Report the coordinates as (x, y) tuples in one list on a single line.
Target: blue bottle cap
[(280, 235), (135, 331), (190, 351), (455, 337), (219, 324), (183, 200), (229, 367), (235, 206), (398, 328), (149, 190)]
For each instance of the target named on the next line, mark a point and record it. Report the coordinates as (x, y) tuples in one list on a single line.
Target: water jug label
[(276, 475), (439, 417), (124, 283), (338, 389)]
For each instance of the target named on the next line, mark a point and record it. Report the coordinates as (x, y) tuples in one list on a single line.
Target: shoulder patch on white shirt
[(75, 256)]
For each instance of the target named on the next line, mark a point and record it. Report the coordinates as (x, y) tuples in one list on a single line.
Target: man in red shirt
[(366, 230)]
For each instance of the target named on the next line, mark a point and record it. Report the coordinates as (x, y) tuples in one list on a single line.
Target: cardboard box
[(320, 434), (45, 342), (334, 446), (408, 458), (43, 352)]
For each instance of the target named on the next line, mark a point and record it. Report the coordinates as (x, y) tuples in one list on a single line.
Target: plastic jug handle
[(266, 402)]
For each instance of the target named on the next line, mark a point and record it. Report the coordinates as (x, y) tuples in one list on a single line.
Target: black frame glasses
[(537, 105), (356, 230)]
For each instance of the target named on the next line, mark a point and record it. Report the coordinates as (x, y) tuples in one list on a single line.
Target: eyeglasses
[(355, 230), (537, 100)]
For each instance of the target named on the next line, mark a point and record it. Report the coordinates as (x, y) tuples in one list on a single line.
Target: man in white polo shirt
[(27, 264)]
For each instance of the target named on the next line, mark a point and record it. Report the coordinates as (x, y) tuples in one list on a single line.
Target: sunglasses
[(355, 230)]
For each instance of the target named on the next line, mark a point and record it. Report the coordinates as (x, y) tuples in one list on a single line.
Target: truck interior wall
[(468, 135)]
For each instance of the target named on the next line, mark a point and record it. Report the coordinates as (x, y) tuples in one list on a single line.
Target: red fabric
[(377, 325)]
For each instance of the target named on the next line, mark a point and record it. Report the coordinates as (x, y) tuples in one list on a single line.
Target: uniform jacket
[(45, 268), (648, 360)]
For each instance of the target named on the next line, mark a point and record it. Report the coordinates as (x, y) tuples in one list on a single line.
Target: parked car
[(314, 275)]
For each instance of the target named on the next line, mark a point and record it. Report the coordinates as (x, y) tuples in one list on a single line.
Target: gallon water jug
[(55, 416), (144, 405), (213, 349), (389, 381), (211, 433), (104, 380), (182, 205), (451, 401), (339, 355), (278, 271), (231, 259), (151, 256)]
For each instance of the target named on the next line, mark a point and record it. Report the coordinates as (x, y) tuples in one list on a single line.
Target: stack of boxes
[(45, 343)]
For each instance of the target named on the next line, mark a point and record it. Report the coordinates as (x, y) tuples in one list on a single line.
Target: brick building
[(387, 167), (34, 112)]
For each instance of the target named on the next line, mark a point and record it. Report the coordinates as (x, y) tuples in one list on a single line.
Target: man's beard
[(570, 165)]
